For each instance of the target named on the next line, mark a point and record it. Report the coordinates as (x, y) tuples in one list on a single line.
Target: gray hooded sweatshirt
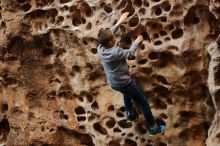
[(114, 63)]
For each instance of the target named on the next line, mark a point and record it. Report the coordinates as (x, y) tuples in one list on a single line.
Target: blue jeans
[(133, 92)]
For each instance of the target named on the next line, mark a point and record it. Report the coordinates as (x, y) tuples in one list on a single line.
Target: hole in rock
[(63, 116), (21, 1), (154, 26), (95, 105), (47, 51), (125, 124), (167, 58), (32, 95), (65, 8), (26, 7), (91, 117), (51, 95), (176, 125), (82, 127), (162, 90), (166, 6), (146, 70), (127, 40), (122, 4), (116, 130), (138, 3), (51, 130), (94, 75), (204, 91), (110, 123), (162, 144), (107, 9), (155, 0), (90, 66), (102, 4), (53, 13), (60, 20), (122, 109), (129, 8), (98, 127), (94, 51), (186, 115), (164, 116), (83, 20), (142, 61), (80, 110), (159, 104), (167, 38), (133, 21), (156, 35), (129, 142), (216, 75), (146, 3), (76, 21), (195, 20), (76, 68), (142, 11), (130, 134), (86, 8), (113, 143), (89, 98), (163, 33), (158, 11), (145, 35), (177, 33), (64, 1), (111, 108), (157, 43), (154, 55), (140, 128), (123, 134), (171, 27), (80, 119), (4, 107), (89, 26), (161, 79), (85, 42), (4, 129), (119, 114), (163, 19)]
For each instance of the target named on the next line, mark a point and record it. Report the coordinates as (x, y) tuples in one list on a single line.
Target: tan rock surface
[(53, 90)]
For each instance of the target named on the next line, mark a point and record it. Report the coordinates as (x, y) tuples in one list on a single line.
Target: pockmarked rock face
[(53, 89)]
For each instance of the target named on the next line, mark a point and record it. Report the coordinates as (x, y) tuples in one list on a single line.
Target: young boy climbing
[(116, 69)]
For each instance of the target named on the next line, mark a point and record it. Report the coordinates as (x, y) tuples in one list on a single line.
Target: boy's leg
[(128, 103), (139, 97)]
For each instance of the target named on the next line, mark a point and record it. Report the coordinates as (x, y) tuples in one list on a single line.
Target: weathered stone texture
[(53, 90)]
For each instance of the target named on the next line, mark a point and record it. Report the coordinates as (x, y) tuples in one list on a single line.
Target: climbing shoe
[(157, 130), (131, 116)]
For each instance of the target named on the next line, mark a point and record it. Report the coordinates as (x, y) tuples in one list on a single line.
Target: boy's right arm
[(128, 53)]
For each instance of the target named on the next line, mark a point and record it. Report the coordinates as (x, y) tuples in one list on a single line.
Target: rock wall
[(53, 90)]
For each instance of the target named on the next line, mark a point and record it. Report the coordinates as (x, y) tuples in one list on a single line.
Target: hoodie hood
[(107, 55)]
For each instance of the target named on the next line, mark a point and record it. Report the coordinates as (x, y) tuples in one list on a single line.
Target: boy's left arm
[(122, 19)]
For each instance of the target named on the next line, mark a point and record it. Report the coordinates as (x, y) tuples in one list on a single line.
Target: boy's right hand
[(139, 39)]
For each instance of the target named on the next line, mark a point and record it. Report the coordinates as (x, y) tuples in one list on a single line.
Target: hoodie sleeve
[(114, 28), (126, 53)]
